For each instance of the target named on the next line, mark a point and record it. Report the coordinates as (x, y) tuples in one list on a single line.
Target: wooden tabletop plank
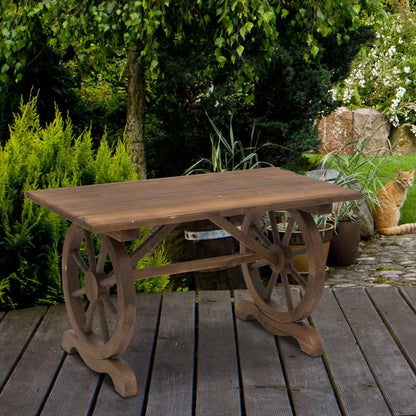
[(217, 386), (171, 388), (129, 205), (262, 375), (353, 381)]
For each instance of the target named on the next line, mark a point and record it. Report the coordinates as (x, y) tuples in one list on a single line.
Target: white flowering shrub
[(383, 75)]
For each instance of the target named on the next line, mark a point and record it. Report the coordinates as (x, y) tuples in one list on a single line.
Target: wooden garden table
[(104, 217)]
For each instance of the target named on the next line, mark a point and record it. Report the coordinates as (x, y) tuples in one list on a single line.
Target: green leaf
[(356, 8), (240, 50), (314, 50)]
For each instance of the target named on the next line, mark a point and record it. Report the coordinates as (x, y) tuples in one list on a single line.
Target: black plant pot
[(344, 244)]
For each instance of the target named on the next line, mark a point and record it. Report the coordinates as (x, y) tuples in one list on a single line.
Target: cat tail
[(399, 229)]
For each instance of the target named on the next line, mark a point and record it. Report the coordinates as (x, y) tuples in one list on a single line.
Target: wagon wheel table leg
[(102, 324), (284, 316)]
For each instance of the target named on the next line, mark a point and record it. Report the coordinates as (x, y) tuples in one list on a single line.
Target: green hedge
[(31, 237)]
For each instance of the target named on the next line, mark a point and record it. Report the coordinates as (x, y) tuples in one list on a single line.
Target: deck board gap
[(285, 376), (373, 374), (152, 359), (196, 338), (407, 300), (95, 395), (52, 383), (329, 374), (237, 349), (23, 350), (392, 332)]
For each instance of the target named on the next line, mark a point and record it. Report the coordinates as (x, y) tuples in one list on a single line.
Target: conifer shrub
[(31, 237)]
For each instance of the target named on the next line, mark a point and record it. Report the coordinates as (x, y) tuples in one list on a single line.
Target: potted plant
[(354, 171), (296, 241)]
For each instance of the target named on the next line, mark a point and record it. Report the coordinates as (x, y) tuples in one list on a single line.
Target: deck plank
[(262, 375), (27, 387), (139, 356), (399, 317), (307, 380), (74, 389), (171, 388), (237, 369), (15, 330), (217, 386), (355, 386), (393, 374)]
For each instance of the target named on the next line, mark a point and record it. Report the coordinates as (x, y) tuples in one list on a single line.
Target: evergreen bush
[(31, 237)]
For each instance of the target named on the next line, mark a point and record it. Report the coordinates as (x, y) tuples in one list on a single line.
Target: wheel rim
[(289, 308), (102, 325)]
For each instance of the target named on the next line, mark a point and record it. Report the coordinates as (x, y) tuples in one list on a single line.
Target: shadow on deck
[(192, 357)]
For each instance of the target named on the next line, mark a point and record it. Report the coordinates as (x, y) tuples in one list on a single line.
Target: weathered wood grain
[(27, 387), (262, 376), (217, 384), (238, 366), (15, 331), (131, 205), (354, 383), (171, 387), (140, 355), (307, 380), (395, 378)]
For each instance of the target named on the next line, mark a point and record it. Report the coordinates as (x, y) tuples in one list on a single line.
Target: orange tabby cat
[(391, 197)]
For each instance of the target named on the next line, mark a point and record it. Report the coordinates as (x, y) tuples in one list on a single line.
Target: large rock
[(403, 141), (336, 131), (372, 129)]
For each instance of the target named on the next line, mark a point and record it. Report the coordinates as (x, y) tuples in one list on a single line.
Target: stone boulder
[(403, 141), (372, 129), (336, 131)]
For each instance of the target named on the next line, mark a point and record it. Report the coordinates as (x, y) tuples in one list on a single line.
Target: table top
[(130, 205)]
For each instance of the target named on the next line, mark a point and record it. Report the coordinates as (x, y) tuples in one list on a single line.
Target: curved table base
[(120, 372), (307, 336)]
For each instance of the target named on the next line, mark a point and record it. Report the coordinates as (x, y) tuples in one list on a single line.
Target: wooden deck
[(192, 357)]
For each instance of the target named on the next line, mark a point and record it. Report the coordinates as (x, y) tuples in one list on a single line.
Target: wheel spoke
[(90, 312), (270, 286), (297, 276), (101, 258), (259, 264), (76, 256), (261, 236), (90, 249), (110, 305), (286, 290), (289, 231), (103, 321), (273, 224), (299, 251), (78, 293)]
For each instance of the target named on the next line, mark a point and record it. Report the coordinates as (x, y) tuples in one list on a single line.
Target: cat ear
[(399, 172), (412, 171)]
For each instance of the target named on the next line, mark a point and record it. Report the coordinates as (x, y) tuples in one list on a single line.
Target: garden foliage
[(31, 237), (383, 75)]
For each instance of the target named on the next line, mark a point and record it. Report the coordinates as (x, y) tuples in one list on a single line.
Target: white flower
[(391, 51), (407, 69)]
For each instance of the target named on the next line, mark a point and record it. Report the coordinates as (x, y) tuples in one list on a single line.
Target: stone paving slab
[(382, 261)]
